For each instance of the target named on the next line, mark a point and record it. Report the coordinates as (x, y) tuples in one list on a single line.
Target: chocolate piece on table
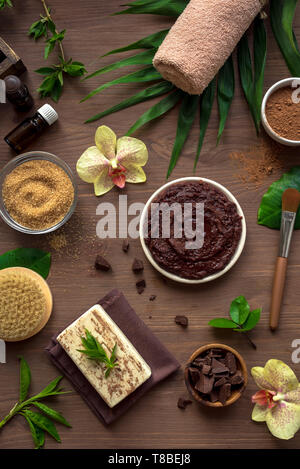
[(152, 297), (182, 403), (205, 384), (236, 379), (218, 367), (102, 264), (230, 362), (140, 285), (220, 382), (224, 393), (194, 375), (137, 266), (182, 321), (125, 245), (206, 369)]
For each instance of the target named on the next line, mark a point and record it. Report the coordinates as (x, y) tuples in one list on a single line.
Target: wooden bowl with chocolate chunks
[(216, 375)]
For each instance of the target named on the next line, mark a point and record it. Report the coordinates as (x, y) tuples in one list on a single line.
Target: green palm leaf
[(158, 7), (154, 40), (157, 110), (252, 83), (282, 14), (146, 74), (143, 58), (186, 117), (206, 104), (149, 93), (226, 86)]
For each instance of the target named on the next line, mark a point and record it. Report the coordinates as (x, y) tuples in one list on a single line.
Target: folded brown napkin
[(161, 362)]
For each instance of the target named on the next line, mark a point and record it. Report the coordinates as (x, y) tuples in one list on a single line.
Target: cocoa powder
[(283, 114)]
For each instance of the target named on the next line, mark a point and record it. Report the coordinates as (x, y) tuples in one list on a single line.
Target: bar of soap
[(132, 370)]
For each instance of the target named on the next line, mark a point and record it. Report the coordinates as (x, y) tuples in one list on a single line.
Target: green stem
[(11, 414), (50, 18)]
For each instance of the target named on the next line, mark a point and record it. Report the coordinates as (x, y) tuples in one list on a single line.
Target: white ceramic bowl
[(280, 84), (209, 278)]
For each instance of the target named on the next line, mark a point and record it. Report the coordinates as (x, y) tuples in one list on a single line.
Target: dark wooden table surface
[(155, 421)]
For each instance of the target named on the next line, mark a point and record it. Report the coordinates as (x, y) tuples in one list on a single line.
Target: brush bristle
[(290, 200)]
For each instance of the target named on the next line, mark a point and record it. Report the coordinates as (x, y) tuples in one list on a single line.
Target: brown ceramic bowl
[(240, 365)]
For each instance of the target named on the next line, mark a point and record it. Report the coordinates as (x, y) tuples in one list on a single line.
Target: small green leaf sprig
[(53, 82), (94, 351), (242, 319), (39, 422), (5, 3)]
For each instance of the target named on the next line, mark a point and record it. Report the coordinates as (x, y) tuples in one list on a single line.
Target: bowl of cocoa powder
[(280, 112)]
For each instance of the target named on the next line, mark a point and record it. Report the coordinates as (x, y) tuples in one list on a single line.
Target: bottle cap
[(48, 113), (12, 84)]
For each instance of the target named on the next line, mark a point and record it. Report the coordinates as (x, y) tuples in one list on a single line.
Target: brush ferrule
[(286, 231)]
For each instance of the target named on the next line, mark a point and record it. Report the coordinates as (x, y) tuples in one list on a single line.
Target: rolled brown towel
[(201, 40)]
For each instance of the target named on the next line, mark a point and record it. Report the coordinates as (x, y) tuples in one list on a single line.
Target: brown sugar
[(258, 162), (38, 194), (283, 113)]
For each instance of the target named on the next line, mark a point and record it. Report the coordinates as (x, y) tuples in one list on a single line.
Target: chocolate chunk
[(236, 379), (102, 264), (214, 396), (206, 369), (207, 360), (125, 245), (152, 297), (140, 285), (198, 363), (182, 321), (216, 353), (205, 384), (182, 403), (224, 393), (218, 367), (137, 266), (230, 362), (220, 382), (194, 375)]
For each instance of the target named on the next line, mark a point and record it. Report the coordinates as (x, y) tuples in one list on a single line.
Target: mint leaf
[(43, 422), (25, 379), (53, 414), (252, 320), (239, 310), (94, 351), (222, 323), (38, 435)]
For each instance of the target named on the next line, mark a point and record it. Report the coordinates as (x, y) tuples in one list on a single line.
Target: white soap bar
[(132, 370)]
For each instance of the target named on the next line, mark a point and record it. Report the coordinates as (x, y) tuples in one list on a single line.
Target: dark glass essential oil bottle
[(20, 137), (17, 93)]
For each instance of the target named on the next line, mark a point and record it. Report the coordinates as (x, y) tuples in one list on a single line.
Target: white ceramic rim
[(209, 278), (279, 84)]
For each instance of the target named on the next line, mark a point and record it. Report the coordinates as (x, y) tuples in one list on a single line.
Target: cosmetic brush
[(290, 204)]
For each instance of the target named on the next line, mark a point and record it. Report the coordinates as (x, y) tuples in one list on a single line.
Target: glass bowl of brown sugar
[(38, 193)]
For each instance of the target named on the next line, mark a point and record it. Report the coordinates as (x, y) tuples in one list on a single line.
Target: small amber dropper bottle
[(20, 137), (17, 93)]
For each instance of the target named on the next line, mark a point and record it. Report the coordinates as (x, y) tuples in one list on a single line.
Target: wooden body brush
[(290, 204)]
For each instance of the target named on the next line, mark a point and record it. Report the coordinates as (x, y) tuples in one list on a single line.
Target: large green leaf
[(206, 104), (252, 82), (239, 310), (186, 117), (222, 323), (140, 76), (143, 58), (149, 93), (269, 212), (32, 258), (157, 110), (226, 85), (158, 7), (152, 41), (282, 14)]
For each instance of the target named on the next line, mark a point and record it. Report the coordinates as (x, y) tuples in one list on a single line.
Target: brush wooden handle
[(277, 292)]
